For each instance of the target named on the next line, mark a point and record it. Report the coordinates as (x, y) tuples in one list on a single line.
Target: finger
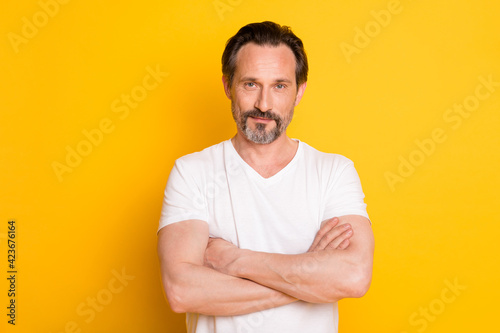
[(206, 260), (210, 241), (335, 236), (345, 243), (333, 222), (214, 240), (335, 242), (339, 242), (326, 226)]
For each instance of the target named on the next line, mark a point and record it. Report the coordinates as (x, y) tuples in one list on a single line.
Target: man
[(263, 233)]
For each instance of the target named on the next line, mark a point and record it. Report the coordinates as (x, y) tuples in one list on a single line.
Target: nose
[(264, 101)]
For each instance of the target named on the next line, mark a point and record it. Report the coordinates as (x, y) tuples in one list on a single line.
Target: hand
[(219, 254), (332, 236)]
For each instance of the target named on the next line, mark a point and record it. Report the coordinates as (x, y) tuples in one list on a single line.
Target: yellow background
[(438, 224)]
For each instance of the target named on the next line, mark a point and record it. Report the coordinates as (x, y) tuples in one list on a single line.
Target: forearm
[(199, 289), (192, 287), (317, 277), (322, 275)]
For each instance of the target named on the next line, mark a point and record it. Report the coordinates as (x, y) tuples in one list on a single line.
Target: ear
[(300, 93), (227, 89)]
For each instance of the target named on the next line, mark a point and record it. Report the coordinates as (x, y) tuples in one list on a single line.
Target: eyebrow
[(247, 78)]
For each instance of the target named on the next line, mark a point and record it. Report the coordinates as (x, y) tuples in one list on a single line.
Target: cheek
[(245, 102), (285, 102)]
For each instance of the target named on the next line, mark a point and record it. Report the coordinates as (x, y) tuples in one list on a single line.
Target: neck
[(267, 159)]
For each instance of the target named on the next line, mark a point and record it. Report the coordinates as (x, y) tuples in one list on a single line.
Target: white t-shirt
[(280, 214)]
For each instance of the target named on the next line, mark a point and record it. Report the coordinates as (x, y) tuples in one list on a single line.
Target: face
[(264, 91)]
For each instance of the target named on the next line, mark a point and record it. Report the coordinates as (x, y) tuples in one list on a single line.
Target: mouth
[(261, 120)]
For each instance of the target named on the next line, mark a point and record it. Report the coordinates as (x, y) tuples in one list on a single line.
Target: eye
[(250, 85), (280, 86)]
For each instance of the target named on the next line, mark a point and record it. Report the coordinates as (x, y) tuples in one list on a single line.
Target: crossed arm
[(214, 277)]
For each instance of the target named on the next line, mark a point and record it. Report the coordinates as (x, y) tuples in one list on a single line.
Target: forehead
[(265, 61)]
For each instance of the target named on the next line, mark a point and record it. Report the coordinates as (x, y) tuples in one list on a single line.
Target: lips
[(261, 119)]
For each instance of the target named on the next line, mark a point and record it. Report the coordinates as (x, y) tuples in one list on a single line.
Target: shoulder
[(323, 159), (202, 159), (197, 168), (329, 167)]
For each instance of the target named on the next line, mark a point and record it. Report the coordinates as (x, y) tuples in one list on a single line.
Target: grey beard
[(260, 135)]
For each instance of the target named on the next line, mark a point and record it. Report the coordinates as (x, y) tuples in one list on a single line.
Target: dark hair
[(265, 33)]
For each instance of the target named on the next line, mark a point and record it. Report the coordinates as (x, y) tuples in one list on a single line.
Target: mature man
[(263, 233)]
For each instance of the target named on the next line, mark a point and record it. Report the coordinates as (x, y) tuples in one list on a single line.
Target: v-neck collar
[(257, 175)]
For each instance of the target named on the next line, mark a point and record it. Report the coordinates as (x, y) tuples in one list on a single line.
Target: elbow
[(359, 289), (358, 283), (181, 294), (352, 285), (177, 297)]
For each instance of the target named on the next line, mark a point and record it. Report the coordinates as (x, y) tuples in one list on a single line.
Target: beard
[(260, 134)]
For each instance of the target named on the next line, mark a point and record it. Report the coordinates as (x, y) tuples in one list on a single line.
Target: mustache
[(259, 114)]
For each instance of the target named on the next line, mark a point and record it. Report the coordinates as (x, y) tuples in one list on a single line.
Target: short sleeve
[(183, 199), (345, 195)]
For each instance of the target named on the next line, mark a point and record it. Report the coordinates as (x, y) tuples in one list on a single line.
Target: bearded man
[(262, 232)]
